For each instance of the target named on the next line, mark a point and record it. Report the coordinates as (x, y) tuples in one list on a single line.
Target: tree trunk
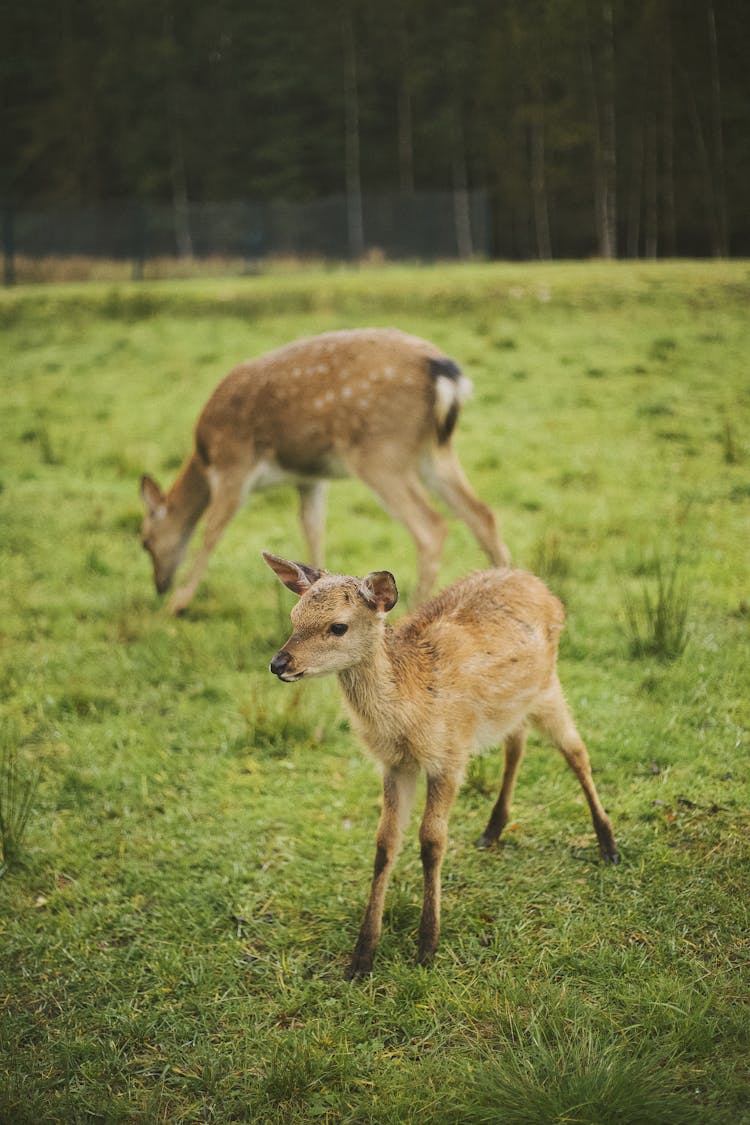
[(609, 149), (405, 117), (602, 102), (651, 177), (539, 187), (667, 140), (722, 246), (635, 195), (355, 224), (461, 210), (178, 175), (705, 164)]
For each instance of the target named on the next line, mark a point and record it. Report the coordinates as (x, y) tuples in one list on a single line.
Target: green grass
[(16, 799), (177, 916)]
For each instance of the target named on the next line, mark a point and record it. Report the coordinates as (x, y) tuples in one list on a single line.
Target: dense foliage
[(596, 126)]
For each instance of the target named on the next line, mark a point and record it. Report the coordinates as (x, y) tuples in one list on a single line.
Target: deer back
[(470, 666), (317, 405)]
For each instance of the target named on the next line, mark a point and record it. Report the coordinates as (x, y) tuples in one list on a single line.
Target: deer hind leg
[(555, 720), (443, 473), (398, 797), (313, 496), (433, 839), (403, 496), (226, 496), (515, 745)]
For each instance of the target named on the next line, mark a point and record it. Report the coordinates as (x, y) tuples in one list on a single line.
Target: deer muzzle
[(281, 667)]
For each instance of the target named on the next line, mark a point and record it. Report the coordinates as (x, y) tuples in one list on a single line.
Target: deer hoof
[(359, 966), (179, 602)]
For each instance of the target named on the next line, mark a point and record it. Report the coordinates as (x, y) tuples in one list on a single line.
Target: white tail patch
[(450, 393)]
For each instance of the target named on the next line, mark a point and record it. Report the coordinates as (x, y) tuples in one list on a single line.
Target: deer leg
[(555, 719), (398, 797), (514, 747), (433, 839), (312, 507), (403, 496), (443, 473), (226, 496)]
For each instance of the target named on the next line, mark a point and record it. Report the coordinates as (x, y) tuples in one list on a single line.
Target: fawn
[(469, 669), (372, 403)]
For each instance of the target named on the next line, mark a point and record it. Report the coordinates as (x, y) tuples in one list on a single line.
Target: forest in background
[(594, 127)]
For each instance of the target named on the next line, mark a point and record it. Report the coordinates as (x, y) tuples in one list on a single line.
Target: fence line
[(422, 226)]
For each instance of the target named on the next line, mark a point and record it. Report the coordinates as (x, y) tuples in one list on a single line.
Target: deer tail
[(452, 388)]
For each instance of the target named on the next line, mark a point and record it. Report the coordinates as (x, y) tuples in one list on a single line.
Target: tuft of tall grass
[(16, 798), (577, 1081), (732, 454), (656, 620), (550, 560)]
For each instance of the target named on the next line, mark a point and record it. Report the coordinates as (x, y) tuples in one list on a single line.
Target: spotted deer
[(371, 403), (469, 669)]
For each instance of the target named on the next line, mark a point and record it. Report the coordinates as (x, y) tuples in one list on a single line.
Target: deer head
[(337, 622), (162, 534)]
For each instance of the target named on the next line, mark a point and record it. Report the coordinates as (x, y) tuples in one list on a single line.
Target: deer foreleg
[(312, 507), (433, 839), (398, 796), (225, 500)]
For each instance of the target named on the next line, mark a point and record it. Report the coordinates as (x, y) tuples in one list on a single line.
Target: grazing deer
[(467, 670), (372, 403)]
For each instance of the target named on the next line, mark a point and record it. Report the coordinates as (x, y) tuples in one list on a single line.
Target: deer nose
[(280, 662)]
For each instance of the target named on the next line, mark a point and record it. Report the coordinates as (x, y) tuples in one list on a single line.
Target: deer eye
[(338, 629)]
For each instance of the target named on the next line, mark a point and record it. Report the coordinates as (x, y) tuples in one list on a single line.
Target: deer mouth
[(290, 677)]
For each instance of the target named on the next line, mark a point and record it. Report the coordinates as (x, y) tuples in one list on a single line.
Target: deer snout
[(280, 666), (162, 583)]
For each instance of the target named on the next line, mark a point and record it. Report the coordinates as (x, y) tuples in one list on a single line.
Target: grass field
[(176, 918)]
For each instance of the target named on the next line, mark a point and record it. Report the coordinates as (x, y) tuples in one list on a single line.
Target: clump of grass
[(40, 434), (729, 441), (657, 620), (549, 560), (663, 347), (16, 798), (580, 1083), (480, 777)]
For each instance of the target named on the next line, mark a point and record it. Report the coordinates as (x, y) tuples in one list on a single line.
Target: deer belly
[(265, 474), (268, 474), (490, 731), (308, 465)]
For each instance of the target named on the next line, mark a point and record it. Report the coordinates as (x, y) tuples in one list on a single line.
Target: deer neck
[(386, 691), (189, 495)]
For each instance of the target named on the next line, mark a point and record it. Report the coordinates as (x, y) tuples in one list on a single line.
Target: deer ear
[(296, 576), (151, 494), (379, 590)]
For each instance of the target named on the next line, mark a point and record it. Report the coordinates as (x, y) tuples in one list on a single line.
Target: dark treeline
[(610, 127)]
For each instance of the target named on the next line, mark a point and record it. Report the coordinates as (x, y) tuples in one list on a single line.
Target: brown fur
[(371, 403), (470, 669)]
